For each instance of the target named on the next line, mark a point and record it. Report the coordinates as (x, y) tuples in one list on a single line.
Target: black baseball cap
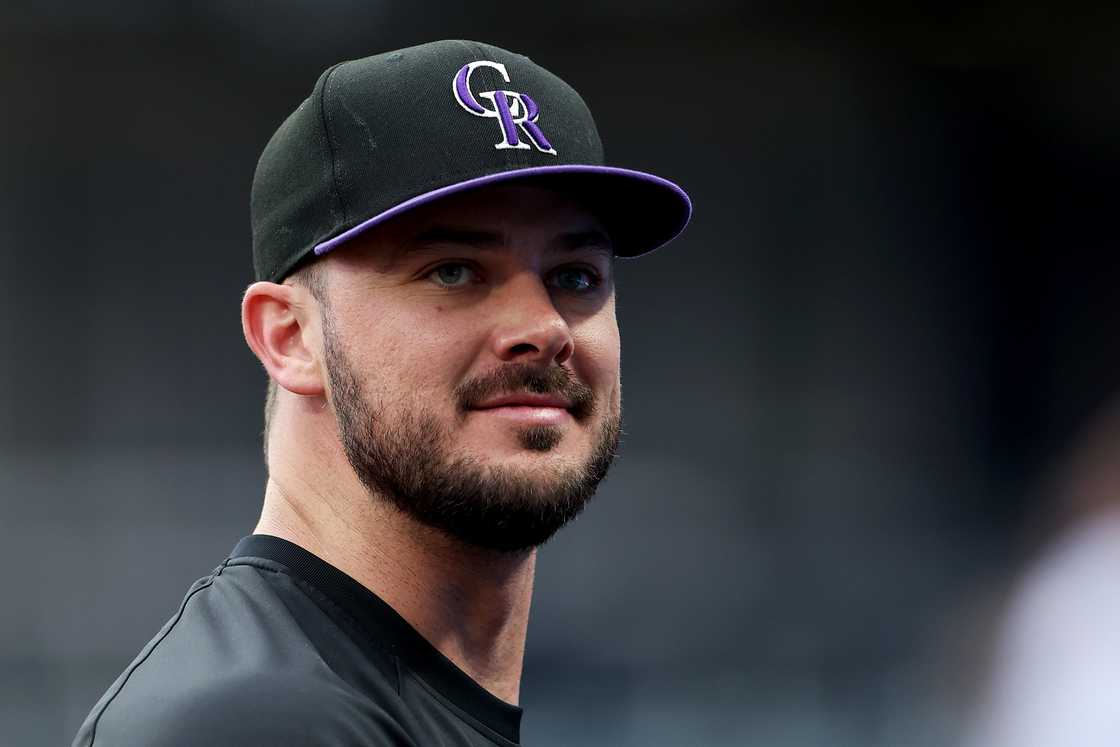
[(381, 135)]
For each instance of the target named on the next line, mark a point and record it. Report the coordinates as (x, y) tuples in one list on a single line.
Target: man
[(433, 236)]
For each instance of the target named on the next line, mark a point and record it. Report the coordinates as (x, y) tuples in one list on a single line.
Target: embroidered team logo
[(516, 112)]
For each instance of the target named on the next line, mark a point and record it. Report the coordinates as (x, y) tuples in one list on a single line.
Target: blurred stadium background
[(895, 307)]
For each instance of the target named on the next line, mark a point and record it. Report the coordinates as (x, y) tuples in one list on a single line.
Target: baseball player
[(434, 234)]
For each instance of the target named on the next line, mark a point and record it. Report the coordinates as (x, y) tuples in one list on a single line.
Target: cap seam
[(325, 121), (478, 47)]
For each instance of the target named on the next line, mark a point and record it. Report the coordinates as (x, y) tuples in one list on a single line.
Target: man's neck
[(471, 604)]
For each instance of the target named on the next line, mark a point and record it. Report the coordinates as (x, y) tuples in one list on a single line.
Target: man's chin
[(483, 432), (499, 501)]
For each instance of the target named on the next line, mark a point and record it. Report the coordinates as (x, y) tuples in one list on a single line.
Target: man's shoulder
[(235, 665), (247, 708)]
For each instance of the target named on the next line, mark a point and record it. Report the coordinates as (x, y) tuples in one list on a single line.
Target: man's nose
[(529, 328)]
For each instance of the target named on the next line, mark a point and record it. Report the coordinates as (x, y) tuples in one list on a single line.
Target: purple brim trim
[(435, 194)]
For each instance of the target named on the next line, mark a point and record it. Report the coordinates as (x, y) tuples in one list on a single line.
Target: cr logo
[(513, 110)]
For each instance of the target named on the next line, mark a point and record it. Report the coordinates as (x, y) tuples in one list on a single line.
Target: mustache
[(520, 377)]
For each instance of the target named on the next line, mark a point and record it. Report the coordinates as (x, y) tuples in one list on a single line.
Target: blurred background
[(855, 388)]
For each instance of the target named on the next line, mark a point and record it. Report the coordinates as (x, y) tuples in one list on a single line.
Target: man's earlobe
[(277, 330)]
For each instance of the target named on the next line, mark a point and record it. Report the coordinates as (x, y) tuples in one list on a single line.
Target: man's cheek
[(599, 359)]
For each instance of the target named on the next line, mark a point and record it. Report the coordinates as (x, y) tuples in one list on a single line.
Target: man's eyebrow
[(592, 239)]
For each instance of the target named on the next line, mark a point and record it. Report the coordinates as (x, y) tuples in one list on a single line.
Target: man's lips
[(533, 409)]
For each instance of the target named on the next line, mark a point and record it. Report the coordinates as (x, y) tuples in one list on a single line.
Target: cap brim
[(640, 211)]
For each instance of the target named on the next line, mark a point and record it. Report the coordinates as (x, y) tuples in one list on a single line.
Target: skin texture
[(427, 317)]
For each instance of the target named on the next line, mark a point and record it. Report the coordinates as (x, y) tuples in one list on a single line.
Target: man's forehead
[(433, 237), (492, 218), (531, 202)]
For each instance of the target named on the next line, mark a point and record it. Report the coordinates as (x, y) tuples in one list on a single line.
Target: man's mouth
[(524, 393), (528, 408), (524, 399)]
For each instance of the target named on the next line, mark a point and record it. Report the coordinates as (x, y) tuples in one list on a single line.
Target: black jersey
[(277, 647)]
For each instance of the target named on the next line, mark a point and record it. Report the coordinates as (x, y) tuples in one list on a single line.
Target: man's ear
[(276, 321)]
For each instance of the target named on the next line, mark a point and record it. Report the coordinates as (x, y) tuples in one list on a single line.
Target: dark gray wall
[(895, 302)]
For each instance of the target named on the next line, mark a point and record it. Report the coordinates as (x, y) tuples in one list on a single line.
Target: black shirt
[(276, 647)]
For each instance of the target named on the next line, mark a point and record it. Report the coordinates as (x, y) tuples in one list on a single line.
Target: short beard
[(409, 461)]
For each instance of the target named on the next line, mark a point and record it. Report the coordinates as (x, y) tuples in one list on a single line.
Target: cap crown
[(381, 130)]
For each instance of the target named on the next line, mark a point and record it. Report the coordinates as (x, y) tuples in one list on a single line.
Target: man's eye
[(575, 279), (452, 275)]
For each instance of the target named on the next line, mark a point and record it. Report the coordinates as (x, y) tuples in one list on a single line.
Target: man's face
[(472, 352)]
